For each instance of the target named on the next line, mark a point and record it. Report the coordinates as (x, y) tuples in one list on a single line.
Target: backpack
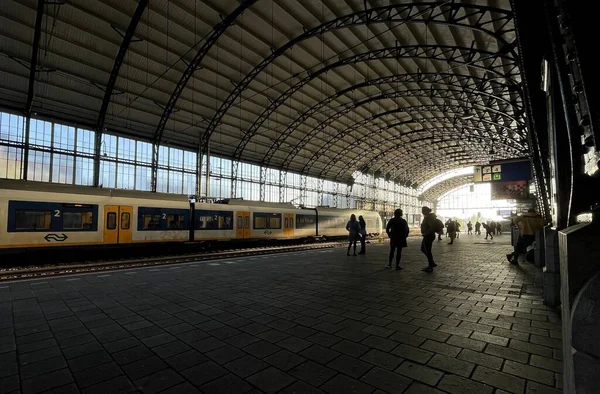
[(438, 226), (451, 227)]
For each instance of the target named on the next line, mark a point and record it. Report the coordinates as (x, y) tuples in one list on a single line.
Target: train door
[(242, 224), (247, 225), (117, 224), (288, 225), (125, 219)]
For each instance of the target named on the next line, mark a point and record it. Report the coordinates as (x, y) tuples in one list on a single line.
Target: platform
[(292, 323)]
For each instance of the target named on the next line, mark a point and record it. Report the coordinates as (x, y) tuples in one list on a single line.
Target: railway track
[(31, 272)]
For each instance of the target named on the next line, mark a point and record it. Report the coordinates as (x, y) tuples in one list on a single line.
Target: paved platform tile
[(309, 322)]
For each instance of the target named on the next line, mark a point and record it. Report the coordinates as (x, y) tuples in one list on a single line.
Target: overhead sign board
[(510, 171)]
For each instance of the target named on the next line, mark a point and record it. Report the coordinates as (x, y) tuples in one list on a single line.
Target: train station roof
[(403, 90)]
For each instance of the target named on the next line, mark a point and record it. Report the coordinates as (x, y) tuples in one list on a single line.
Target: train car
[(245, 220), (332, 222), (36, 215)]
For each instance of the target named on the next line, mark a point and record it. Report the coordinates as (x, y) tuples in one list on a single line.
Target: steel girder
[(378, 147), (31, 84), (366, 121), (463, 56), (135, 19), (467, 83), (457, 109), (425, 141), (191, 68), (476, 145), (433, 194), (460, 15), (34, 54)]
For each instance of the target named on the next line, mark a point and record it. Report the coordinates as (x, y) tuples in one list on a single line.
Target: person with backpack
[(529, 223), (477, 228), (451, 230), (397, 229), (430, 226), (353, 228)]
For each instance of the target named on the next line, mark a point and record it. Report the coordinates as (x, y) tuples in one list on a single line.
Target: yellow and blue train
[(40, 216)]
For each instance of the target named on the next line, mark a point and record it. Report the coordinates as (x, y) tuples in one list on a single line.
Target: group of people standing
[(357, 231)]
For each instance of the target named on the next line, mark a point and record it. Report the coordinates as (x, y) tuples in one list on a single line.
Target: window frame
[(267, 216), (57, 211), (110, 215), (163, 215), (220, 215), (128, 221)]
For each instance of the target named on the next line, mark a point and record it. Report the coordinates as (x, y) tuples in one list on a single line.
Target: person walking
[(429, 227), (529, 223), (477, 228), (363, 235), (470, 228), (451, 230), (499, 228), (397, 230), (457, 226), (488, 231), (353, 228)]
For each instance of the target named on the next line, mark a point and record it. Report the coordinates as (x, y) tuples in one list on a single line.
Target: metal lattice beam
[(379, 146), (191, 68), (479, 18), (34, 54), (470, 84), (364, 122), (462, 56), (31, 84), (478, 150), (457, 110), (435, 192), (112, 79)]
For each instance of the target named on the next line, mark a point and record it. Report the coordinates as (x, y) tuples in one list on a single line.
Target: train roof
[(250, 203)]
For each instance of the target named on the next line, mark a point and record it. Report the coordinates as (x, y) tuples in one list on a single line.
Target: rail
[(32, 272)]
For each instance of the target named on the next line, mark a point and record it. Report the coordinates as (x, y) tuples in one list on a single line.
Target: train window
[(275, 222), (111, 221), (285, 223), (246, 222), (125, 221), (77, 220), (177, 222), (33, 220), (208, 222), (260, 222), (239, 222), (152, 221)]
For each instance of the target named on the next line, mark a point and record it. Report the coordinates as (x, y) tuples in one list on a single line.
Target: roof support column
[(235, 166), (303, 187), (320, 192), (263, 182), (282, 176), (348, 192), (198, 176), (32, 73), (336, 192)]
